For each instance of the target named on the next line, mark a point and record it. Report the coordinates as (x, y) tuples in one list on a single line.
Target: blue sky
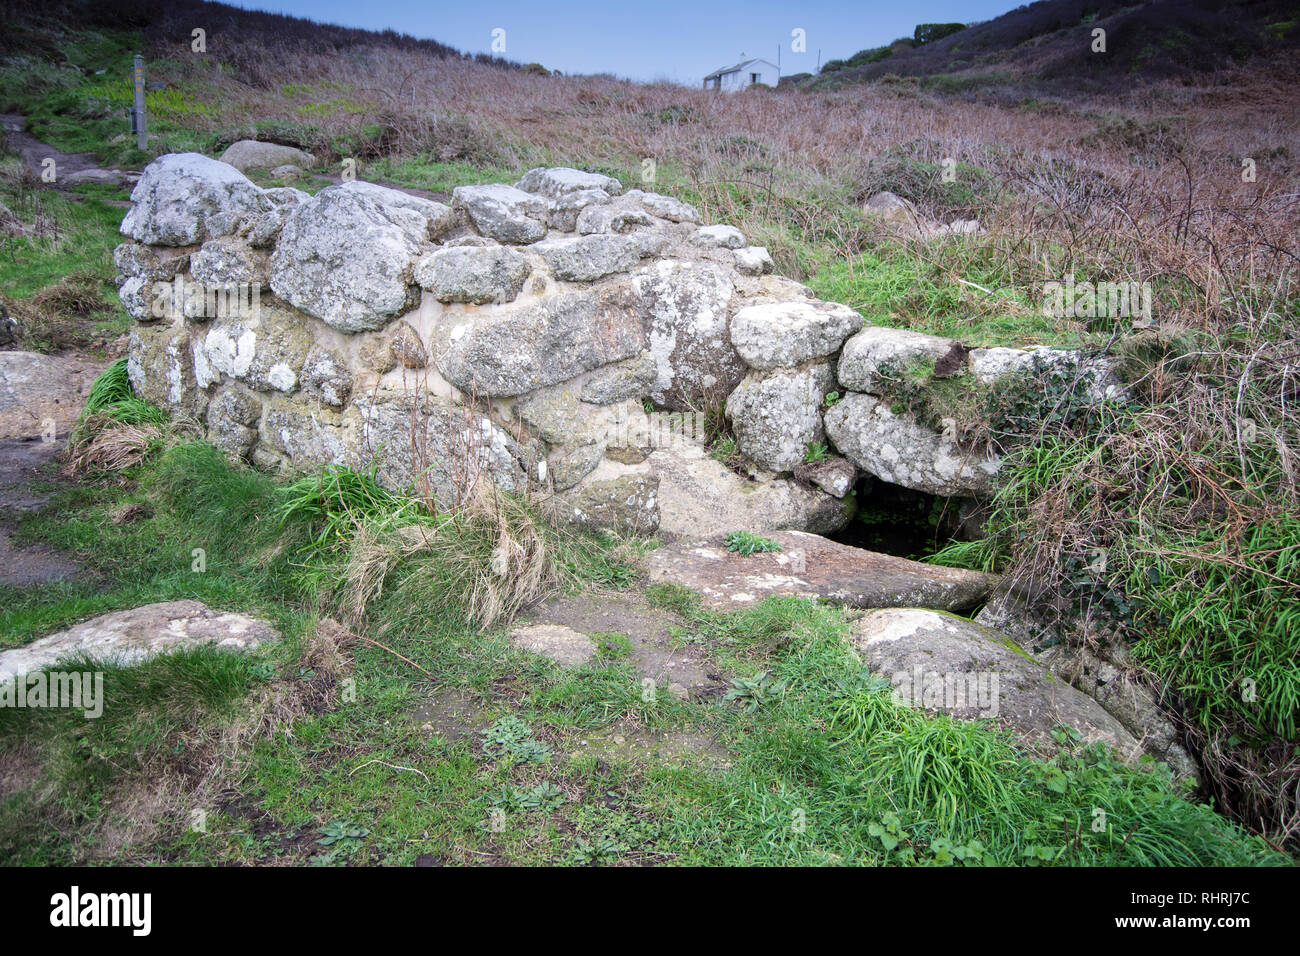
[(679, 40)]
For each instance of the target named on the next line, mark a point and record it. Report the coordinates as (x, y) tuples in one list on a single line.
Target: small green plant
[(342, 837), (544, 797), (817, 451), (600, 849), (831, 400), (511, 736), (755, 691), (746, 543)]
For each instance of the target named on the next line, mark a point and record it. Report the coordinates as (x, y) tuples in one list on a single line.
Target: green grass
[(893, 288), (424, 172), (822, 766)]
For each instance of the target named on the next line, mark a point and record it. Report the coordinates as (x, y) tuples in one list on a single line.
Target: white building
[(743, 74)]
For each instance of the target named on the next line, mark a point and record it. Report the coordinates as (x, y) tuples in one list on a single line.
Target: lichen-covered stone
[(701, 496), (187, 198), (230, 260), (135, 260), (135, 635), (775, 415), (685, 313), (564, 210), (897, 449), (718, 237), (307, 434), (473, 275), (346, 255), (948, 664), (754, 260), (611, 217), (632, 378), (784, 334), (542, 343), (587, 258), (568, 466), (874, 346), (326, 377), (811, 566), (556, 181), (502, 212), (232, 415), (265, 351), (262, 230), (665, 207), (428, 440), (406, 348), (160, 366), (614, 498)]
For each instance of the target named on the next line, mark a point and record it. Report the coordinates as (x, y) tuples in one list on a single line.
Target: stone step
[(811, 566)]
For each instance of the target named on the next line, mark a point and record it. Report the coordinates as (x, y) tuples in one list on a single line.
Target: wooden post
[(137, 116)]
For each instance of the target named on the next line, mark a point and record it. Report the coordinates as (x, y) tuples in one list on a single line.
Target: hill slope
[(1050, 44)]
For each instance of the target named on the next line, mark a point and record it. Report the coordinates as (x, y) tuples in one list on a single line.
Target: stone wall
[(517, 333)]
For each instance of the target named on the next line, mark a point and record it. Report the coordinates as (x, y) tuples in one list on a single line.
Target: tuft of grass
[(746, 543)]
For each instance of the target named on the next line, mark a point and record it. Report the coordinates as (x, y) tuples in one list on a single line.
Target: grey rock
[(564, 645), (130, 637), (543, 343), (565, 210), (811, 566), (160, 365), (587, 258), (718, 237), (186, 198), (568, 466), (406, 348), (619, 500), (502, 212), (874, 346), (665, 207), (36, 389), (611, 217), (754, 260), (897, 449), (135, 260), (558, 180), (429, 440), (326, 377), (266, 351), (346, 255), (684, 306), (783, 334), (250, 154), (701, 496), (775, 415), (230, 260), (632, 378), (951, 665), (473, 274)]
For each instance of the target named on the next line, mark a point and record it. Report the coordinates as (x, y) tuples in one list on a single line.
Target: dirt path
[(70, 169), (24, 462)]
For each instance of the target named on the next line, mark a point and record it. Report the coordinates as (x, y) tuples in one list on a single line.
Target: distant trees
[(929, 32)]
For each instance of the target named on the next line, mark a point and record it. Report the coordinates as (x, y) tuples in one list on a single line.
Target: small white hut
[(743, 74)]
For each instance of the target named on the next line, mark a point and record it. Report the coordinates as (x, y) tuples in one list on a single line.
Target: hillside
[(1146, 526), (1047, 47)]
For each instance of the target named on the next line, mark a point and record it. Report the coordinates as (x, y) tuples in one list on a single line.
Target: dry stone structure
[(520, 333)]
